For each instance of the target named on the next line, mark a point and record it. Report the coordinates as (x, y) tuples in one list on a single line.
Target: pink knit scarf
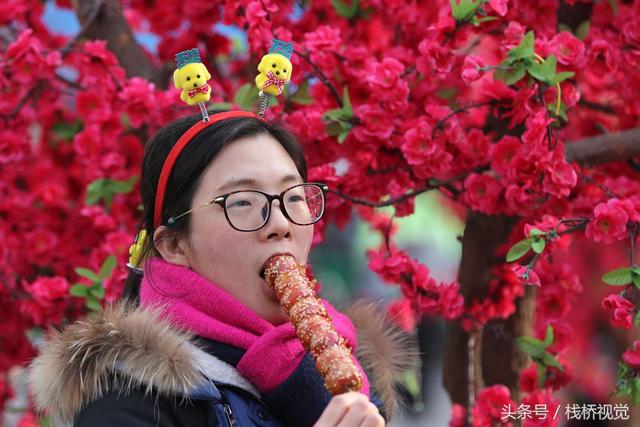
[(201, 307)]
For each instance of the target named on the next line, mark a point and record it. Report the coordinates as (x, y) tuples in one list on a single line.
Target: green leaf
[(544, 72), (519, 250), (122, 186), (560, 77), (97, 291), (550, 361), (93, 303), (346, 102), (542, 374), (524, 50), (344, 10), (107, 267), (515, 75), (548, 336), (535, 232), (636, 320), (66, 131), (87, 274), (465, 10), (635, 390), (343, 135), (78, 290), (531, 346), (302, 95), (487, 19), (538, 245), (614, 7), (618, 277), (635, 276), (105, 188), (246, 96), (583, 30)]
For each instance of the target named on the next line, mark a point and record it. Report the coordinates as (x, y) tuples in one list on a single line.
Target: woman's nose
[(277, 224)]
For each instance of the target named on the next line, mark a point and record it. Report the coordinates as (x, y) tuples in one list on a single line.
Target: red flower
[(46, 290), (603, 58), (499, 6), (569, 50), (482, 192), (632, 357), (139, 100), (375, 123), (435, 57), (529, 379), (530, 278), (470, 68), (610, 222), (622, 310), (503, 152), (545, 400), (490, 406), (559, 179)]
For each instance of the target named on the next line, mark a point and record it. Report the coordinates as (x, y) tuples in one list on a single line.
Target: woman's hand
[(351, 409)]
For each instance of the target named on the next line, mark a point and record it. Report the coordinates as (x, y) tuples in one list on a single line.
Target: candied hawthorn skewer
[(313, 324)]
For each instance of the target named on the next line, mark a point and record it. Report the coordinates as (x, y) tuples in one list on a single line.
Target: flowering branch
[(399, 199), (321, 76)]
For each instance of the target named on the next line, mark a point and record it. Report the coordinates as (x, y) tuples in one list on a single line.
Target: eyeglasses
[(249, 210)]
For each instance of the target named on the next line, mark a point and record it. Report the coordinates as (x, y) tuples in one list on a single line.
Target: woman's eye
[(295, 198), (239, 204), (188, 78)]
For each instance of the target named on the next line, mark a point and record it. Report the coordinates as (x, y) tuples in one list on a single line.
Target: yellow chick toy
[(275, 68), (191, 76)]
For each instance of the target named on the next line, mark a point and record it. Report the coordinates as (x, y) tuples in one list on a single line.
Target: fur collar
[(78, 364)]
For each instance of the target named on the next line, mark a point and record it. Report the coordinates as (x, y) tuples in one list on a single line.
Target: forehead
[(258, 157)]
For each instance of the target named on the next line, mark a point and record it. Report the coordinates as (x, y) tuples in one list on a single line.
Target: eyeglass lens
[(247, 210)]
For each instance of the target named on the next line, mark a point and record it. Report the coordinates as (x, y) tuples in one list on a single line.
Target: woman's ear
[(171, 246)]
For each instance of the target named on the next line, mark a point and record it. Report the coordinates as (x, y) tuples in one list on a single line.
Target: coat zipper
[(230, 417)]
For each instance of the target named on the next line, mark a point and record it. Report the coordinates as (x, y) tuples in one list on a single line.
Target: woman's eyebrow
[(250, 181)]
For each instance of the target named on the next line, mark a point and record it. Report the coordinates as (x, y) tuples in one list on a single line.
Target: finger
[(373, 419), (356, 413), (335, 411)]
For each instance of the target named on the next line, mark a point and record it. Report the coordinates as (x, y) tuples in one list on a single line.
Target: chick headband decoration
[(191, 77), (274, 72)]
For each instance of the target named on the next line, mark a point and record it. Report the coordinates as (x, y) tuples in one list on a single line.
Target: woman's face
[(233, 259)]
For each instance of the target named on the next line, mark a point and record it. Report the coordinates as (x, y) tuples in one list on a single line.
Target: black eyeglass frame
[(222, 199)]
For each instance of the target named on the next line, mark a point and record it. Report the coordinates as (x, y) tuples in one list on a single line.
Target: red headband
[(177, 149)]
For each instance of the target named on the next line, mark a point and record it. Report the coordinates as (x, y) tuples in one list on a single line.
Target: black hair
[(188, 169)]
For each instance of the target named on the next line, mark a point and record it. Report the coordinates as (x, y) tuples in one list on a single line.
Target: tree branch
[(610, 147), (103, 19)]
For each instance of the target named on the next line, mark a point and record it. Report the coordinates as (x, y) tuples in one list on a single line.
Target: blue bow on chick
[(191, 77)]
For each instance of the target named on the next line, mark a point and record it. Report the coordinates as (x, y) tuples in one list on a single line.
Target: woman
[(210, 344)]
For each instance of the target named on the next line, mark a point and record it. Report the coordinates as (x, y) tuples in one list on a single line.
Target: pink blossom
[(499, 6), (569, 50), (622, 310), (470, 68), (482, 192), (632, 357), (609, 223), (490, 405)]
